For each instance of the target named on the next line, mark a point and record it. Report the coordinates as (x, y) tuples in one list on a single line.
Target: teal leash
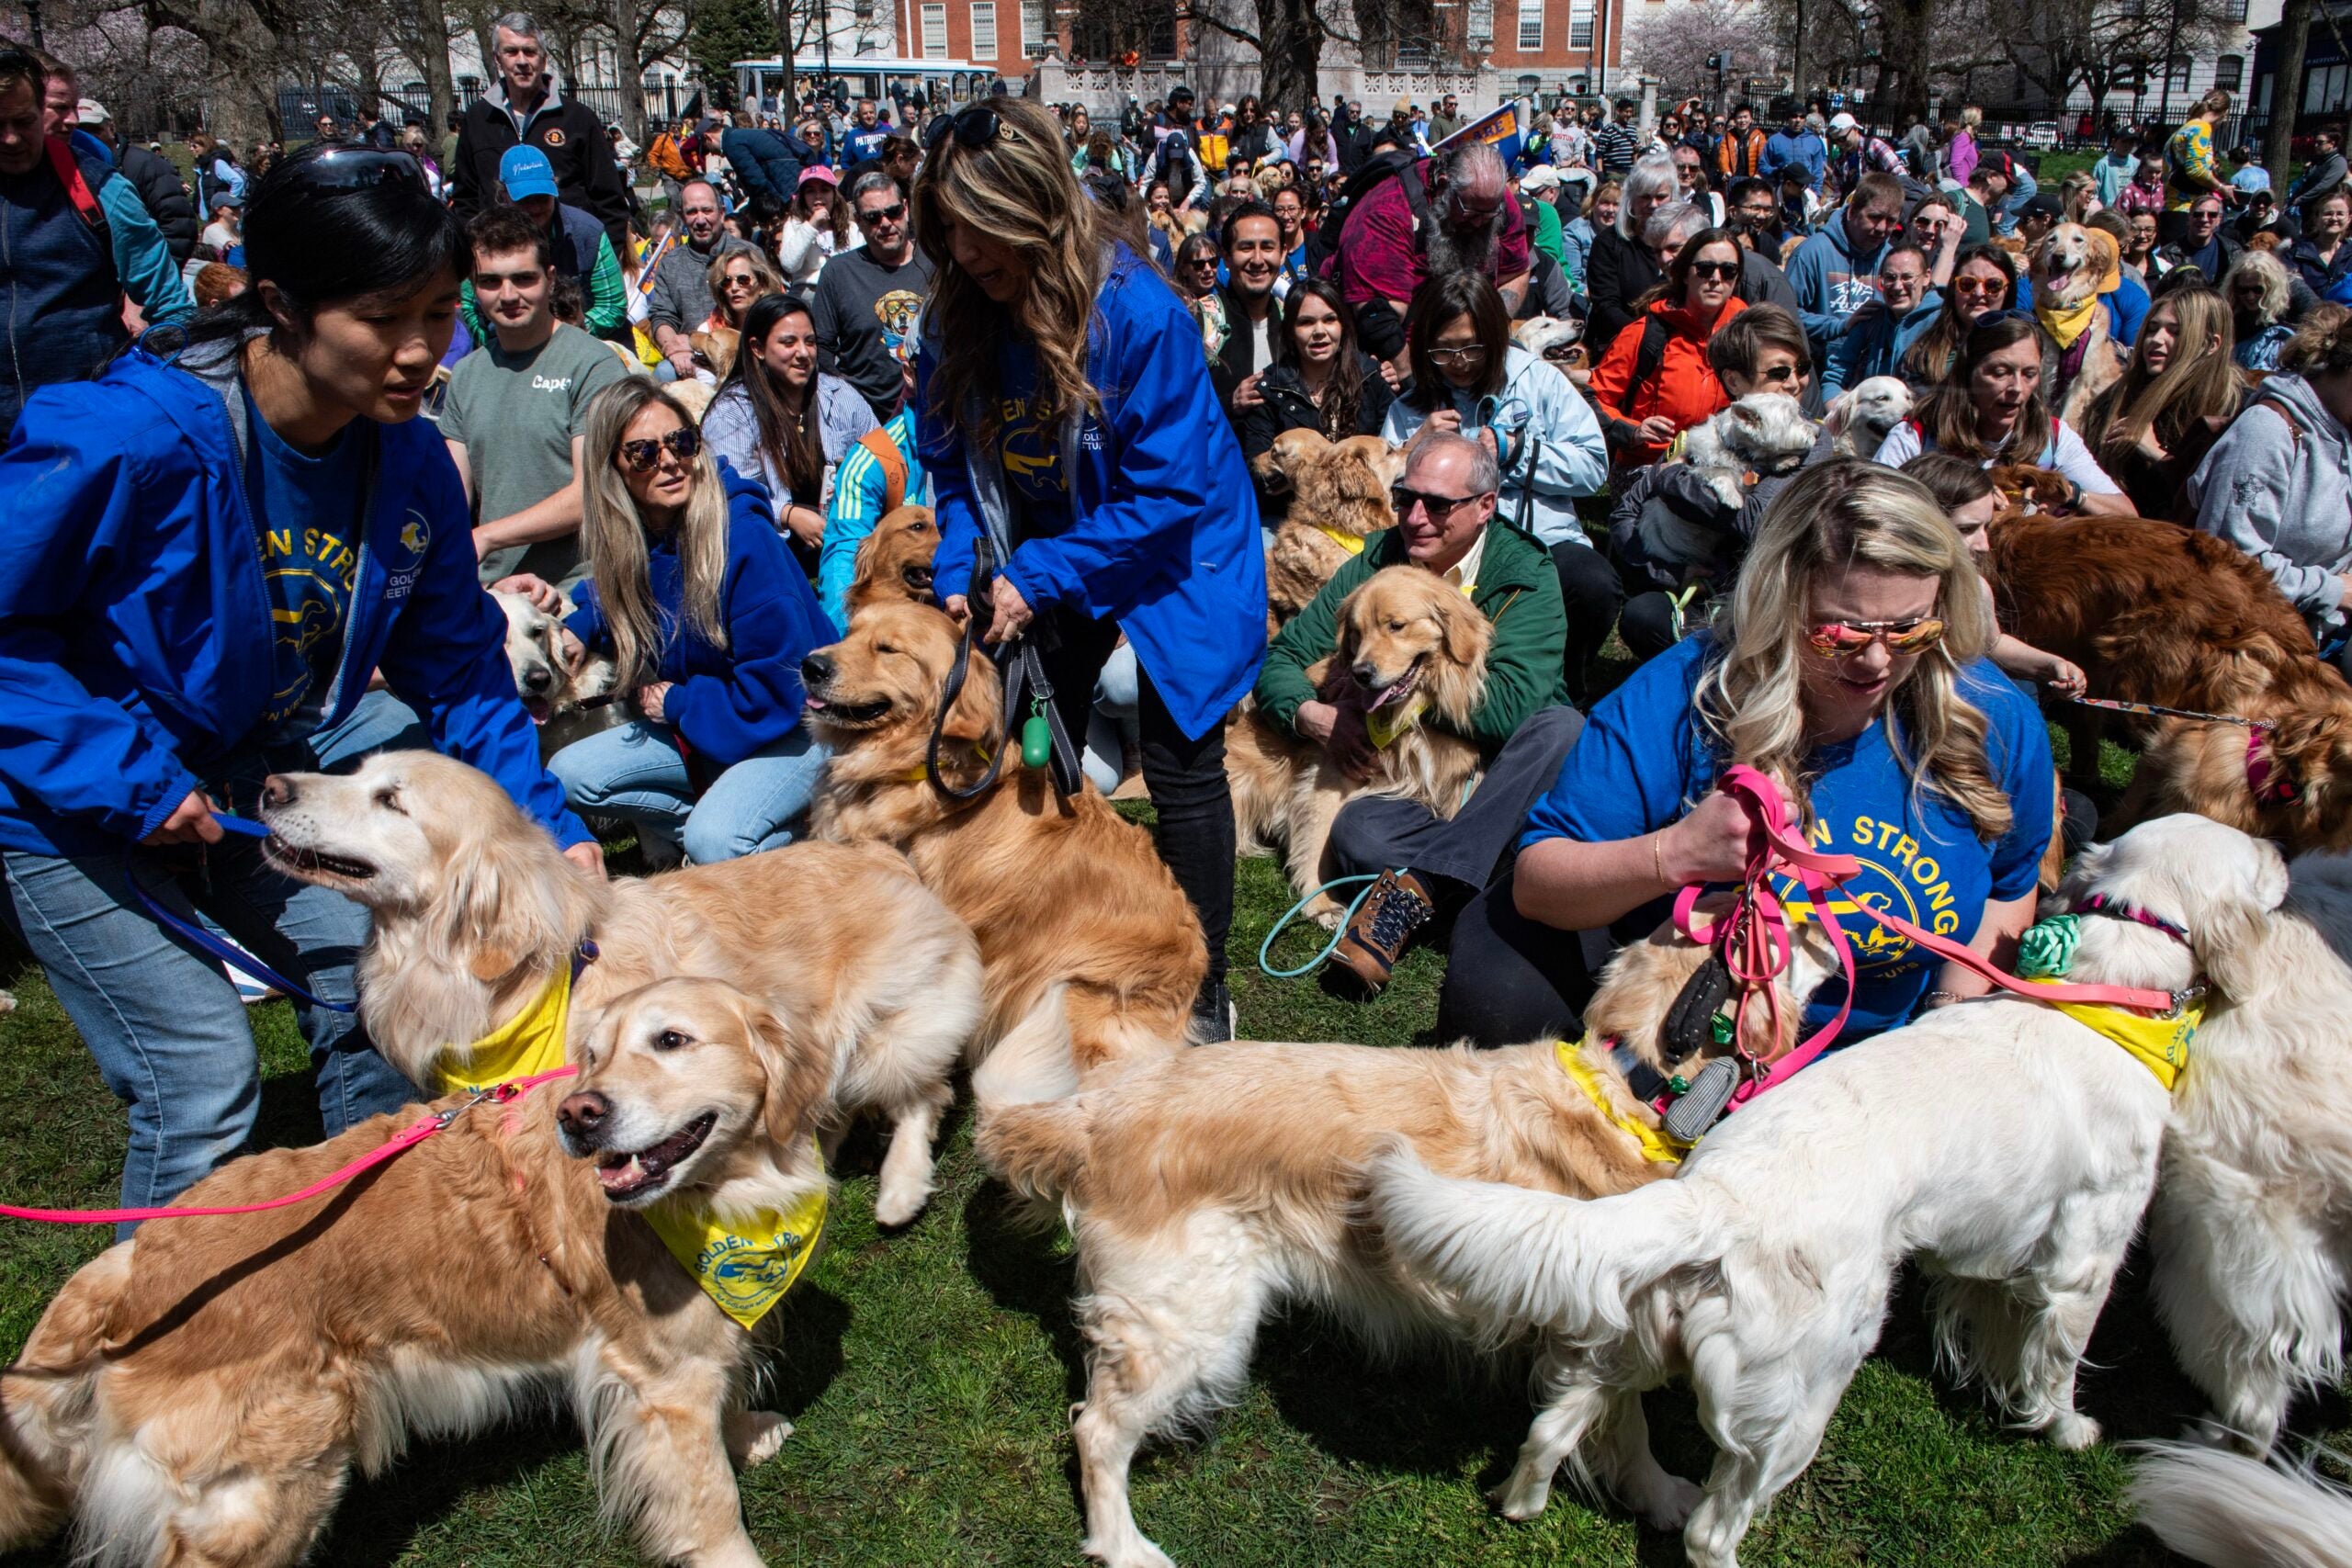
[(1266, 948)]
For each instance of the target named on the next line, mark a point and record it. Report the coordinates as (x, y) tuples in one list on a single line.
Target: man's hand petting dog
[(1339, 729)]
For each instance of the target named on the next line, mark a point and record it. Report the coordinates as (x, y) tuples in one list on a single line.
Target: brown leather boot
[(1399, 905)]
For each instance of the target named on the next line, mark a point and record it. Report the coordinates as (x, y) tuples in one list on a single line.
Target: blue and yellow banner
[(1503, 129)]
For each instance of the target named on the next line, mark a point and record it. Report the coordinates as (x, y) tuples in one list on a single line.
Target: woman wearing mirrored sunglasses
[(705, 617), (1062, 403), (211, 548), (1847, 664), (1984, 279), (1655, 381)]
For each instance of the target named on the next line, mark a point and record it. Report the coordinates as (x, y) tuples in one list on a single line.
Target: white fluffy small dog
[(2009, 1147), (2252, 1228), (1860, 417), (1763, 432)]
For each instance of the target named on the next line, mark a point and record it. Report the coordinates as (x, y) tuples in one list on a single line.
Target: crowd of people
[(667, 398)]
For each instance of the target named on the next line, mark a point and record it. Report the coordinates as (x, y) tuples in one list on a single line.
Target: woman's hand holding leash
[(1709, 845), (650, 699), (1011, 613), (190, 823), (589, 857)]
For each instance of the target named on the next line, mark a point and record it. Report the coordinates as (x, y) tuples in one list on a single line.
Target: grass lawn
[(929, 1372)]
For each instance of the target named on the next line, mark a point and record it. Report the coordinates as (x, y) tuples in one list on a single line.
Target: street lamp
[(32, 21)]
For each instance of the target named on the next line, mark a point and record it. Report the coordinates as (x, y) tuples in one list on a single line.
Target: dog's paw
[(1522, 1497), (2072, 1431), (754, 1437), (898, 1205), (1326, 913)]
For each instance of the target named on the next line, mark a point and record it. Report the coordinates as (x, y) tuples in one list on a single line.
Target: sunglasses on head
[(640, 455), (1843, 639), (361, 168), (974, 127)]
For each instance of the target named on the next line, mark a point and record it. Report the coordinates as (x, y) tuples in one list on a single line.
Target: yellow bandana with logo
[(1657, 1146), (2066, 325), (1381, 726), (745, 1271), (2160, 1044), (1352, 543)]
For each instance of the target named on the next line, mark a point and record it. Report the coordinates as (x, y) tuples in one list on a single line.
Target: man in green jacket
[(1523, 725)]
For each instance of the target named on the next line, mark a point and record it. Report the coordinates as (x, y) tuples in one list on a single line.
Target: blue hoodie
[(1875, 343), (729, 701), (136, 648), (1164, 534), (1832, 280)]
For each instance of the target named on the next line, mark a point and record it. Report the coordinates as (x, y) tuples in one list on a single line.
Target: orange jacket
[(1684, 388), (1731, 164)]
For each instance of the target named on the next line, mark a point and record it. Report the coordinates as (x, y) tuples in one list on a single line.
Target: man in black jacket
[(152, 175), (522, 105)]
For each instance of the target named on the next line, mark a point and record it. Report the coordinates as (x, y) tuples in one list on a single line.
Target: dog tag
[(1689, 1116)]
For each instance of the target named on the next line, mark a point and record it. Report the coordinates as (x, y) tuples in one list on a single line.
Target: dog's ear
[(2229, 933), (978, 717), (1466, 631), (503, 903), (797, 1073)]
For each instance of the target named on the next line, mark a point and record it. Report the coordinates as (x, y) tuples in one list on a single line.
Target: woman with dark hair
[(1066, 420), (1321, 380), (1194, 276), (1655, 382), (211, 547), (1994, 410), (1984, 279), (1471, 379), (780, 420)]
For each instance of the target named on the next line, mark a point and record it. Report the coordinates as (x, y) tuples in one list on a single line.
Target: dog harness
[(746, 1267)]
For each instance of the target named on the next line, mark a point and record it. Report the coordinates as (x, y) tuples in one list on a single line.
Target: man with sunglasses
[(869, 297), (516, 405), (680, 301), (1523, 725)]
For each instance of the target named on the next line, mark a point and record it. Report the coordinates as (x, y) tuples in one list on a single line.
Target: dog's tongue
[(622, 1173), (540, 708), (815, 703)]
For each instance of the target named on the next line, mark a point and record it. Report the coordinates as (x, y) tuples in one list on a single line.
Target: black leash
[(1022, 661)]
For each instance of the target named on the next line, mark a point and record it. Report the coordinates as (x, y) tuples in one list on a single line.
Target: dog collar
[(2100, 905), (921, 770), (1657, 1145), (1382, 729), (2159, 1044)]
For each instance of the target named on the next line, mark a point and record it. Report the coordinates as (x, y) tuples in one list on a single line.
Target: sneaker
[(1399, 905), (1213, 1015)]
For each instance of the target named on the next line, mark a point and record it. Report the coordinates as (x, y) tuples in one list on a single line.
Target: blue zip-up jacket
[(1876, 341), (1164, 538), (729, 701), (1832, 280), (136, 645), (1805, 150), (767, 164)]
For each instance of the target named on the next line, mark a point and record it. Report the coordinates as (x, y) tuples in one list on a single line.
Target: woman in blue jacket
[(1061, 407), (1882, 332), (209, 549), (694, 598)]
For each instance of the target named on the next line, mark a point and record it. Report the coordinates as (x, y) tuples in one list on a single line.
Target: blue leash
[(228, 952), (1267, 946)]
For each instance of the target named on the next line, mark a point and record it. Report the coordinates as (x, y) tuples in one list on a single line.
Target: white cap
[(1542, 177), (90, 111), (1842, 121)]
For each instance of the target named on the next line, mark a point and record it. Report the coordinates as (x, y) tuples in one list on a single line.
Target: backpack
[(893, 464), (1378, 170)]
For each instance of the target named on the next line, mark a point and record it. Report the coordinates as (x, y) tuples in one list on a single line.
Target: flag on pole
[(1503, 129)]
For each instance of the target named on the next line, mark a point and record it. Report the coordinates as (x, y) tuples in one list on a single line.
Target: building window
[(1482, 23), (1036, 31), (2229, 72), (1581, 24), (935, 32), (2176, 71), (1530, 26), (984, 29)]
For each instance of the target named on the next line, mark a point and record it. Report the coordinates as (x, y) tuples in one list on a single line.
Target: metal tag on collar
[(1692, 1114)]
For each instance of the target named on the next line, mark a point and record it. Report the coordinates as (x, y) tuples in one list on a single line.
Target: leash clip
[(2183, 996)]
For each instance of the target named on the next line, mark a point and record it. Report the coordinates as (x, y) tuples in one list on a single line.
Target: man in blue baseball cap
[(580, 248)]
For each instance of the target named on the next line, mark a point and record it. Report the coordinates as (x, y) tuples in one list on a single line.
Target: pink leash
[(1754, 940), (439, 1119)]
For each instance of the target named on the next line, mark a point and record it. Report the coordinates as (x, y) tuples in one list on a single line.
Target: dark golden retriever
[(894, 562), (1338, 498)]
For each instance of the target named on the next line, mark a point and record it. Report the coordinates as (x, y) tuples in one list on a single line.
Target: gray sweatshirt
[(2278, 485), (681, 295)]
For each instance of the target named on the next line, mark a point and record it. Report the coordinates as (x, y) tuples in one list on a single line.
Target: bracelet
[(1941, 998), (1658, 855)]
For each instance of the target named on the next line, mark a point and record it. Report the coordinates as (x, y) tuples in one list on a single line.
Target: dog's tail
[(1029, 1130), (2219, 1507), (1516, 1257), (48, 1401)]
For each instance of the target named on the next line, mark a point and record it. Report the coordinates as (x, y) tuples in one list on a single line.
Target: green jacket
[(1519, 591)]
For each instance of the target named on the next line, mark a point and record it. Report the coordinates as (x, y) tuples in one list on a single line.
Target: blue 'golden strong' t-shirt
[(307, 517), (1031, 449), (1642, 762)]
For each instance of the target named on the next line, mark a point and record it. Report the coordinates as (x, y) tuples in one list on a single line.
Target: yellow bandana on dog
[(1657, 1146), (2160, 1044), (1382, 729), (745, 1272), (2066, 325), (1352, 543)]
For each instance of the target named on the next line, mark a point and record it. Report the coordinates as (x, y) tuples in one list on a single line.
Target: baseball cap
[(90, 111), (816, 174), (1843, 122), (2043, 205), (1998, 163), (1542, 177), (525, 171)]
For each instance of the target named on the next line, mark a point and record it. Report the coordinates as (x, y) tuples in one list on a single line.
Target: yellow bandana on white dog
[(744, 1270), (2159, 1044)]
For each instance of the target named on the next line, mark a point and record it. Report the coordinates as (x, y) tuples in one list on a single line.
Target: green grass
[(929, 1372)]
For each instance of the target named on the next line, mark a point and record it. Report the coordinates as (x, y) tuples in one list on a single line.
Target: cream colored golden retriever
[(555, 676), (1206, 1192), (1085, 936), (2067, 268), (1411, 666), (199, 1395), (475, 912), (1338, 498), (894, 562)]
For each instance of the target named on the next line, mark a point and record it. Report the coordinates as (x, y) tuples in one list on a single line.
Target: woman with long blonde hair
[(1065, 418), (2179, 391), (706, 619), (1849, 664)]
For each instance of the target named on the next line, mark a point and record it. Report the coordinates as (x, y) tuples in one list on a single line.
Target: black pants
[(1186, 777), (1588, 588), (1510, 979), (1376, 833)]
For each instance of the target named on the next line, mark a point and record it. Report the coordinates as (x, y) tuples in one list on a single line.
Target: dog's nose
[(583, 1113), (1363, 675), (539, 679), (817, 668), (277, 790)]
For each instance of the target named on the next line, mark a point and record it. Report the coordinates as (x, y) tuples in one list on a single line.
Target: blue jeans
[(164, 1024), (381, 722), (635, 771)]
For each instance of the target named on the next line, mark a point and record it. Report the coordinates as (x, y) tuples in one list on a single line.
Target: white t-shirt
[(1261, 342), (2066, 456), (220, 236)]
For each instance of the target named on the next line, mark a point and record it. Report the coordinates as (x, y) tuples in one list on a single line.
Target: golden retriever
[(1085, 937), (2190, 766), (894, 562), (1338, 498), (1411, 655), (201, 1393), (555, 676), (2067, 267), (717, 347), (1205, 1194), (476, 914)]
